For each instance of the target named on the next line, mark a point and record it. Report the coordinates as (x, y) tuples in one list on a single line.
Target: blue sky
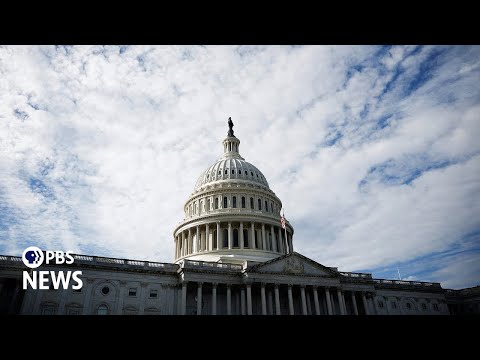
[(374, 150)]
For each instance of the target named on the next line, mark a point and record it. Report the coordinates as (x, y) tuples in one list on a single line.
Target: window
[(153, 293), (435, 307), (225, 202), (409, 306), (73, 309), (246, 173), (234, 201), (243, 202), (256, 174), (266, 206), (271, 207), (245, 238), (251, 173), (226, 171), (49, 309), (225, 238), (102, 310), (424, 306), (220, 172), (235, 238), (132, 292), (259, 204), (216, 203), (394, 305), (105, 290), (251, 203), (233, 171), (380, 304)]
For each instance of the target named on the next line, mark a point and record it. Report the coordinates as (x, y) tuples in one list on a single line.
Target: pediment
[(294, 263)]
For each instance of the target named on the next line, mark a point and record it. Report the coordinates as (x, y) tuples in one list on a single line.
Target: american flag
[(282, 220)]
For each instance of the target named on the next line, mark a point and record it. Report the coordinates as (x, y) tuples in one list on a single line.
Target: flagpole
[(286, 237)]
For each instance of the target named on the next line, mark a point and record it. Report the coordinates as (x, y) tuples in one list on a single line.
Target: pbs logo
[(32, 257)]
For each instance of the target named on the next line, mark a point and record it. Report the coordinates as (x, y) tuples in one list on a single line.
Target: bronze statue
[(230, 127)]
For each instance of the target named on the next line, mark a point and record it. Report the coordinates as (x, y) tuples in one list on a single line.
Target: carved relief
[(294, 266)]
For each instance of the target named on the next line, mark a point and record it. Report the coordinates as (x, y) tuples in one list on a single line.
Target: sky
[(373, 150)]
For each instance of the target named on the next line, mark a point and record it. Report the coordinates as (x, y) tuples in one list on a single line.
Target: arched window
[(225, 202), (409, 306), (259, 204), (271, 207), (424, 306), (266, 206), (234, 201), (246, 173), (251, 203), (233, 171), (243, 202), (102, 310), (226, 171), (225, 238), (235, 238), (245, 238), (216, 203)]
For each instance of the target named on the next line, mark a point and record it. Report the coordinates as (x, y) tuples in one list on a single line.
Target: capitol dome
[(232, 214)]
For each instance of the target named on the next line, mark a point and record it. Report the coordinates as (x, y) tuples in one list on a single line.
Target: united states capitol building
[(231, 257)]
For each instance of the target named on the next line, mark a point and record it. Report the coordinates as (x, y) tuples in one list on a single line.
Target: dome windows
[(234, 202), (251, 203), (260, 204), (243, 202), (225, 202)]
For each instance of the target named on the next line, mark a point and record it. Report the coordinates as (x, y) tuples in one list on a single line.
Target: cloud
[(374, 151)]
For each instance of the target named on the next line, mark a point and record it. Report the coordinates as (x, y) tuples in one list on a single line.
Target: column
[(229, 235), (290, 242), (176, 247), (264, 300), (329, 304), (249, 299), (189, 245), (208, 241), (252, 240), (121, 297), (334, 310), (183, 309), (214, 299), (269, 302), (277, 300), (242, 300), (143, 297), (218, 236), (199, 240), (229, 300), (88, 296), (264, 241), (340, 301), (280, 243), (304, 301), (354, 302), (365, 306), (274, 242), (315, 299), (183, 244), (199, 298), (290, 300), (241, 235)]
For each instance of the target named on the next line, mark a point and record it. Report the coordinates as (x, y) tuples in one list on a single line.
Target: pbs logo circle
[(32, 257)]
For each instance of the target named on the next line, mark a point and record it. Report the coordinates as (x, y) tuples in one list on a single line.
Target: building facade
[(232, 257)]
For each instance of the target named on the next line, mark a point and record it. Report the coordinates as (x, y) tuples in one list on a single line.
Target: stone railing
[(356, 275), (208, 265), (241, 211), (100, 260), (408, 283)]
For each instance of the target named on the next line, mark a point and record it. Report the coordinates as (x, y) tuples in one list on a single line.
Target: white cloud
[(118, 136)]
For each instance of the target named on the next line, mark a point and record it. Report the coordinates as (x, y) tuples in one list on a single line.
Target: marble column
[(189, 246), (264, 240), (249, 299), (304, 301), (183, 244), (219, 246), (199, 298), (269, 302), (315, 299), (242, 300), (230, 235), (229, 300), (214, 299), (290, 300), (199, 240), (329, 304), (252, 240), (365, 306), (277, 300), (241, 235), (340, 301), (354, 302), (274, 241), (264, 300), (208, 241), (183, 310)]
